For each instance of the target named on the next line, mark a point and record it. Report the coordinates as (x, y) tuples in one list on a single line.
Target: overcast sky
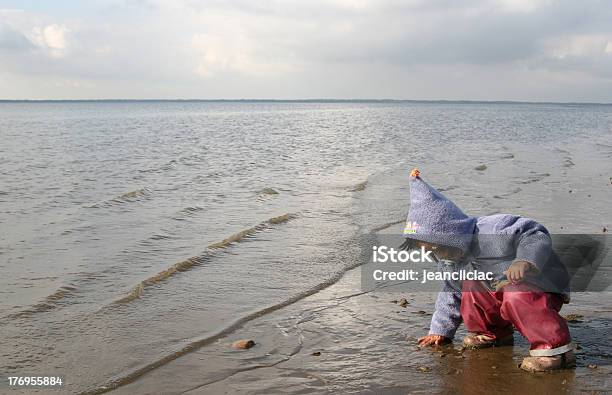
[(540, 50)]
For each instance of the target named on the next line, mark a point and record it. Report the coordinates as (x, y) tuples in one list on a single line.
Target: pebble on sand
[(574, 317), (316, 353), (481, 167), (359, 187), (592, 366), (424, 369), (268, 191), (604, 229), (403, 302), (243, 344)]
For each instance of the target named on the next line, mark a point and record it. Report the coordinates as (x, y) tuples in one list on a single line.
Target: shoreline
[(344, 339)]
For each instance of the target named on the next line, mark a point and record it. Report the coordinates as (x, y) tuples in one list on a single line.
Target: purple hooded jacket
[(490, 243)]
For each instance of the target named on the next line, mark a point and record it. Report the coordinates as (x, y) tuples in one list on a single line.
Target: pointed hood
[(435, 219)]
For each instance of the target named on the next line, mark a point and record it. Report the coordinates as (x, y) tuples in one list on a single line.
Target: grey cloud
[(147, 43), (12, 40), (446, 36)]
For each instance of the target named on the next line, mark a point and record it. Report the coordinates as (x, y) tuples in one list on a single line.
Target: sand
[(344, 340)]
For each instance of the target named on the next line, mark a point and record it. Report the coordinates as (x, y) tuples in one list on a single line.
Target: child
[(529, 288)]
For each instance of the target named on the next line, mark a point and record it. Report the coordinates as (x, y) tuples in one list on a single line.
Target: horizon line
[(450, 101)]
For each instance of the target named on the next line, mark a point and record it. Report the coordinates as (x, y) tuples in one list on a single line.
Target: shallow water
[(344, 340), (109, 211)]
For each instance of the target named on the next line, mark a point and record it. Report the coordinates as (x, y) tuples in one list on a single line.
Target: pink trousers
[(534, 313)]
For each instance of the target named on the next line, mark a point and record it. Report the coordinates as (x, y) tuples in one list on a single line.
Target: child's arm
[(532, 243), (447, 317), (532, 240)]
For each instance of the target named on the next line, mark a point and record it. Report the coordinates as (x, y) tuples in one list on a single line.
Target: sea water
[(135, 232)]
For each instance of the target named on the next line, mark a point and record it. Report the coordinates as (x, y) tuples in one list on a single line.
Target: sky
[(525, 50)]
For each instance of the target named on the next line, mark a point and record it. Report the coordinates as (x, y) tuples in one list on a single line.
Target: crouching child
[(529, 287)]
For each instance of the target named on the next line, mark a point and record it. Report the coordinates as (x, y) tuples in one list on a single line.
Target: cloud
[(232, 53), (12, 40), (537, 49), (51, 38), (524, 6), (578, 45), (20, 32)]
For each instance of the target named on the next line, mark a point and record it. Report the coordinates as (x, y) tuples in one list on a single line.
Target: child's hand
[(516, 271), (433, 340)]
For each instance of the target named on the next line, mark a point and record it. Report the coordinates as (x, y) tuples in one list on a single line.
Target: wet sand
[(344, 340)]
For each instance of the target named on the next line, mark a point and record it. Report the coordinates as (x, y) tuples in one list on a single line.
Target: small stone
[(604, 229), (592, 366), (493, 367), (316, 353), (243, 344), (574, 318), (424, 369), (570, 191), (481, 167), (403, 302), (268, 191), (359, 187)]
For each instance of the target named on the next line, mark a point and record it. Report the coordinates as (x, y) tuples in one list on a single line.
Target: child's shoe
[(545, 364), (476, 341)]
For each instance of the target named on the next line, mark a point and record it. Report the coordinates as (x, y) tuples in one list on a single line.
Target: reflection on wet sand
[(343, 339)]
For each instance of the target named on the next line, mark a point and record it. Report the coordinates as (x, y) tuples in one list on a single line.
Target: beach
[(146, 237), (344, 340)]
